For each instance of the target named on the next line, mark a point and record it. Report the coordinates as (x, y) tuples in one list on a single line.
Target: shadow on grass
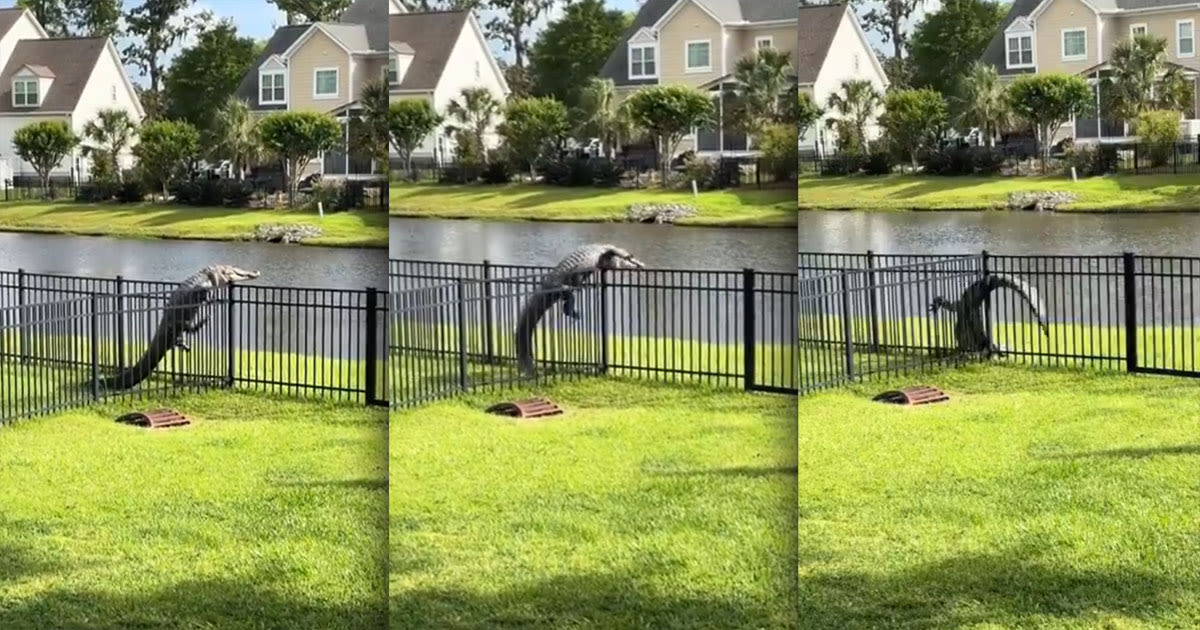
[(737, 471), (1132, 453), (340, 484)]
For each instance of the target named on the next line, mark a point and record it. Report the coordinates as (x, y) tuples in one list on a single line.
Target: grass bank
[(740, 208), (1035, 498), (644, 506), (265, 513), (1117, 193), (343, 229)]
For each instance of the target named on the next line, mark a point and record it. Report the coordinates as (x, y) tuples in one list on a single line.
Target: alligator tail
[(1026, 291), (128, 378), (538, 305)]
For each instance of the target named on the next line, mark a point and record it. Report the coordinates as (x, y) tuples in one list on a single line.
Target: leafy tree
[(234, 136), (900, 73), (532, 128), (513, 23), (889, 18), (51, 14), (371, 132), (298, 138), (410, 121), (944, 46), (472, 115), (668, 113), (83, 18), (313, 10), (1159, 131), (983, 102), (154, 28), (777, 143), (763, 78), (852, 108), (44, 145), (914, 119), (1141, 79), (108, 135), (520, 80), (166, 149), (203, 75), (807, 113), (1046, 101), (598, 115), (571, 50)]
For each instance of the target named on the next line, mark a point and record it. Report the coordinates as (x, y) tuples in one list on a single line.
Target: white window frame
[(1179, 41), (687, 58), (393, 67), (337, 84), (1008, 50), (37, 91), (657, 61), (769, 39), (1134, 27), (263, 73), (1063, 44)]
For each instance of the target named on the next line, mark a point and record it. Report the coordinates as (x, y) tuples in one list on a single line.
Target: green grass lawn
[(1033, 499), (1117, 193), (263, 514), (346, 229), (746, 208), (644, 506)]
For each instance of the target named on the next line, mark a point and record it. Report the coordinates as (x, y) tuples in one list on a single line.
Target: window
[(325, 83), (271, 90), (699, 56), (1074, 44), (1137, 29), (393, 70), (643, 62), (1019, 51), (1186, 43), (25, 92), (764, 42)]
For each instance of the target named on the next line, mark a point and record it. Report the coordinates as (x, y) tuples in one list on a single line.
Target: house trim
[(1045, 4), (308, 34)]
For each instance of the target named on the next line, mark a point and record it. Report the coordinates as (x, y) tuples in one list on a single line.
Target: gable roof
[(9, 17), (372, 14), (69, 60), (736, 11), (617, 66), (282, 40), (993, 55), (818, 26), (432, 36)]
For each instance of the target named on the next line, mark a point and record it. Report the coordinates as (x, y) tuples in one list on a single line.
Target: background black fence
[(61, 335), (1139, 314), (453, 328)]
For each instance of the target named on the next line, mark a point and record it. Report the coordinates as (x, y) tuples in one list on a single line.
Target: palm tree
[(764, 79), (473, 116), (373, 132), (853, 107), (983, 102), (600, 116), (234, 135), (109, 133), (1142, 80)]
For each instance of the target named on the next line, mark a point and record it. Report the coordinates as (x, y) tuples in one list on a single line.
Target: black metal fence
[(1139, 314), (454, 325), (61, 336)]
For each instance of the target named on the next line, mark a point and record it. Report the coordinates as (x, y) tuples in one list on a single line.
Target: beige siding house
[(698, 43)]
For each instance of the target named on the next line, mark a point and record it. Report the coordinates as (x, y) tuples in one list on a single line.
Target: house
[(1078, 37), (68, 79), (323, 67), (697, 43), (833, 49), (435, 56)]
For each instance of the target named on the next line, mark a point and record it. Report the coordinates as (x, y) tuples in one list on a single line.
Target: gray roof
[(993, 55), (282, 40), (70, 61), (728, 11), (818, 25), (8, 17), (373, 15), (431, 36), (352, 36)]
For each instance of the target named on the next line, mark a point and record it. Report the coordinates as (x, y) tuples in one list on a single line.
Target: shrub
[(97, 191), (703, 171), (1159, 131), (842, 164), (949, 162), (133, 190), (607, 173), (777, 145), (1091, 161), (211, 193), (499, 171), (988, 161), (460, 174), (879, 162)]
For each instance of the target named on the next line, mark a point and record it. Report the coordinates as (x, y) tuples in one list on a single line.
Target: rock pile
[(1040, 201), (284, 233), (658, 212)]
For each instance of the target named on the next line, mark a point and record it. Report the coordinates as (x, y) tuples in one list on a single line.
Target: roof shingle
[(431, 36), (69, 60)]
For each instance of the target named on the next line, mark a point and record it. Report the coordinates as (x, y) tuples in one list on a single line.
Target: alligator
[(560, 284), (179, 317), (969, 329)]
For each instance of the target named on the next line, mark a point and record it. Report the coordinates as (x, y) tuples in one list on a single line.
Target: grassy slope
[(349, 229), (644, 507), (264, 514), (1034, 499), (748, 207), (901, 192)]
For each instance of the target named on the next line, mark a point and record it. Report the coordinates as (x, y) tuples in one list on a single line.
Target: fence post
[(872, 301), (372, 349), (23, 337), (1135, 158), (488, 314), (847, 325), (749, 316), (1175, 159), (94, 334), (984, 271), (603, 321), (231, 348), (119, 314), (461, 299), (1131, 350)]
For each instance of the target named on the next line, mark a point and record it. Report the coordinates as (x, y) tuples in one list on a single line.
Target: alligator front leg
[(569, 305)]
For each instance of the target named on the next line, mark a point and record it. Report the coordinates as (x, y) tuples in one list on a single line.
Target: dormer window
[(643, 61), (25, 93), (272, 87), (393, 70)]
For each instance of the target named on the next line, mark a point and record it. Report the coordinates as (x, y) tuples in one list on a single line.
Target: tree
[(234, 135), (1046, 101), (313, 10), (166, 150), (371, 132), (947, 43), (853, 106), (154, 28), (1141, 79), (203, 75), (914, 119), (409, 122), (108, 135), (571, 50), (1159, 131), (763, 79), (298, 138), (668, 113), (807, 113), (532, 128), (44, 145), (82, 18), (472, 115), (983, 102), (889, 18), (51, 14), (512, 24), (599, 115)]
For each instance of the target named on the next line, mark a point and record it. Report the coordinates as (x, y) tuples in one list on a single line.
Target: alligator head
[(617, 258), (221, 275)]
